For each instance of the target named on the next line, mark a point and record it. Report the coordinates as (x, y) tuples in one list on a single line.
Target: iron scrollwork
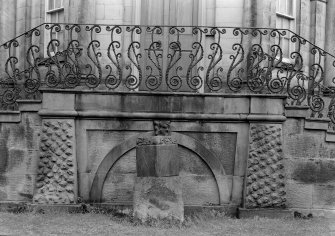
[(167, 58)]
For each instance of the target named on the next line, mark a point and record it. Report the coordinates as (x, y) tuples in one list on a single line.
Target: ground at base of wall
[(126, 209), (286, 213), (267, 213), (22, 207), (205, 223)]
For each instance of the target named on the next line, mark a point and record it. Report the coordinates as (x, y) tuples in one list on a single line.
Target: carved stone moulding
[(162, 128), (156, 140)]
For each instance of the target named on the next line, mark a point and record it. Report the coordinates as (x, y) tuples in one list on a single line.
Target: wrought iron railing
[(166, 58)]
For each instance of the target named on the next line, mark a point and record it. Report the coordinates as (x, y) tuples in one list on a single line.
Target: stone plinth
[(158, 188), (158, 198)]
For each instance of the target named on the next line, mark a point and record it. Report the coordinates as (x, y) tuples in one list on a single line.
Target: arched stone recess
[(209, 158)]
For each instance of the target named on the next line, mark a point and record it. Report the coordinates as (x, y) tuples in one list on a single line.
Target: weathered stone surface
[(159, 198), (214, 142), (18, 158), (199, 186), (162, 128), (310, 171), (316, 124), (265, 174), (237, 189), (299, 195), (306, 144), (58, 101), (324, 196), (55, 183), (262, 105), (302, 170), (296, 111), (156, 160)]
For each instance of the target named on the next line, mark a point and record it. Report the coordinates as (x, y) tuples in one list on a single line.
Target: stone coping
[(170, 116), (10, 116), (29, 105), (104, 92)]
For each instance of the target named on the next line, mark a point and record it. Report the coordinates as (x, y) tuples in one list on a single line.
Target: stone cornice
[(169, 116), (323, 1)]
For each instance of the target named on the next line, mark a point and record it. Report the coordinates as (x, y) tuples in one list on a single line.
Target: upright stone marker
[(158, 187)]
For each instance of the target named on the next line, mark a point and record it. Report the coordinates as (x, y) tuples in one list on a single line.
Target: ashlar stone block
[(157, 156)]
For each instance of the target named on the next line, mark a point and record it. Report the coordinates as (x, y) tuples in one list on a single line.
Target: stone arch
[(190, 143)]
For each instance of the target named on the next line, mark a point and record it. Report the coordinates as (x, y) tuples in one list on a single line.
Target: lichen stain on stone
[(18, 135), (161, 192), (316, 172), (16, 157), (30, 134), (3, 196), (202, 178), (159, 204), (305, 172), (3, 156), (327, 172)]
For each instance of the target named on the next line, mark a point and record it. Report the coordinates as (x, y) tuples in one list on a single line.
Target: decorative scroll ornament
[(166, 58)]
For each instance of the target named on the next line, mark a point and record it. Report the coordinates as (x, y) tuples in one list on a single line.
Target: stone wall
[(19, 144), (245, 150), (309, 166)]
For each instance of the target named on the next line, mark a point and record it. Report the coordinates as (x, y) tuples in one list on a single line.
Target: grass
[(206, 223)]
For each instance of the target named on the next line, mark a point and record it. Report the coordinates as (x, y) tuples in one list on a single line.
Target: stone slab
[(29, 105), (58, 101), (330, 137), (158, 198), (237, 189), (10, 116), (264, 213), (299, 195), (296, 111), (324, 196), (262, 105), (316, 124), (157, 160)]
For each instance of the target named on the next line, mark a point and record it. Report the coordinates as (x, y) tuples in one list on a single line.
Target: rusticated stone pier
[(158, 187)]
